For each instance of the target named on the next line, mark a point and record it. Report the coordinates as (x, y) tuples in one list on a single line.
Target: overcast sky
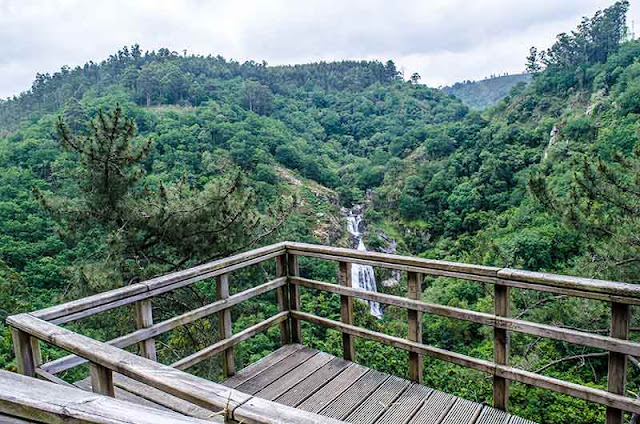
[(443, 40)]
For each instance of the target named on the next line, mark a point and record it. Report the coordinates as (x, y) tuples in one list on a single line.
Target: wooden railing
[(106, 358)]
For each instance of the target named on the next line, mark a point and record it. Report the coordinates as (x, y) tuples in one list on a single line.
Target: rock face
[(553, 139)]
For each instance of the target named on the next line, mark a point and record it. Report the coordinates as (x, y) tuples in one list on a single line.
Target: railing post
[(101, 380), (414, 284), (283, 300), (26, 361), (501, 347), (294, 298), (144, 319), (224, 326), (617, 377), (346, 311)]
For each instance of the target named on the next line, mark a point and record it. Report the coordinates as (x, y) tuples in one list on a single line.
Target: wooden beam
[(526, 327), (573, 286), (204, 393), (101, 302), (283, 299), (22, 348), (42, 401), (101, 380), (617, 378), (589, 394), (144, 319), (414, 287), (501, 347), (220, 346), (70, 361), (224, 326), (346, 310), (294, 298)]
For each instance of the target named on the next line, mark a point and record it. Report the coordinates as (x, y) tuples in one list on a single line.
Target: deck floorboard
[(321, 383), (317, 382)]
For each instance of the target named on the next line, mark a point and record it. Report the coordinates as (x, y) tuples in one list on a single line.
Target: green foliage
[(206, 156)]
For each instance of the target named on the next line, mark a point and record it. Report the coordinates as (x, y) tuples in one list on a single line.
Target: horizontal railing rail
[(44, 324), (22, 398), (107, 359)]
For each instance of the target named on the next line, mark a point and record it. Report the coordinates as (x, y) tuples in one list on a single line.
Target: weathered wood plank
[(173, 280), (307, 387), (261, 365), (378, 402), (205, 393), (617, 378), (434, 409), (144, 319), (346, 311), (501, 347), (294, 299), (334, 388), (354, 395), (406, 405), (462, 412), (271, 374), (222, 345), (576, 390), (22, 348), (120, 394), (293, 377), (101, 380), (414, 286), (224, 326), (521, 326), (493, 416), (468, 271), (283, 299), (70, 361), (43, 401), (391, 259)]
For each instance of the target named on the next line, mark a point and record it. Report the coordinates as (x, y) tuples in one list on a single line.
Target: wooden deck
[(317, 382), (321, 383)]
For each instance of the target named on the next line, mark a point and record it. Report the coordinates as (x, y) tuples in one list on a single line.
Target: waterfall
[(362, 276)]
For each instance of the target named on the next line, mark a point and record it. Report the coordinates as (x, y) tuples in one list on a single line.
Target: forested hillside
[(149, 162), (487, 92)]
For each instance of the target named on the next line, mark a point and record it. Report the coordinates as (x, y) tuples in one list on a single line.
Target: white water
[(362, 276)]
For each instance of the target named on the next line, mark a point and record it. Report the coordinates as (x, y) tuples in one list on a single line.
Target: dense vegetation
[(487, 92), (206, 156)]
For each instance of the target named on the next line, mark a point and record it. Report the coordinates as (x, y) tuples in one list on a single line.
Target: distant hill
[(485, 93)]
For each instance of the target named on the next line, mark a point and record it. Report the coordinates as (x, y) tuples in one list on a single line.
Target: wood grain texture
[(617, 377), (101, 380), (414, 287), (521, 326), (501, 347), (294, 299), (144, 319), (346, 311), (224, 326), (41, 401), (22, 348), (127, 295), (188, 387), (71, 361), (282, 294), (515, 374)]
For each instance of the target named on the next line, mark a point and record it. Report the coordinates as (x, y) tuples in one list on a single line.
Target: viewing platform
[(295, 383)]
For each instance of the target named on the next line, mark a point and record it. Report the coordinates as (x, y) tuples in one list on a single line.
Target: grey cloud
[(444, 40)]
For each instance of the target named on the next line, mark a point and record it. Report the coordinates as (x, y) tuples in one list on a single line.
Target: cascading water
[(362, 276)]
